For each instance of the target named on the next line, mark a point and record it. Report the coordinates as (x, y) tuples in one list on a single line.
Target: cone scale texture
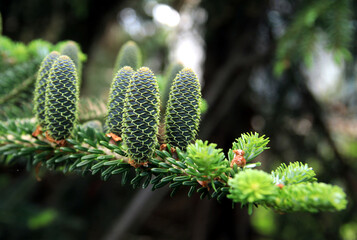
[(40, 88), (62, 99), (182, 113), (118, 89), (141, 115)]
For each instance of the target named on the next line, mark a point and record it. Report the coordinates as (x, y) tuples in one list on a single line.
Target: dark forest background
[(264, 63)]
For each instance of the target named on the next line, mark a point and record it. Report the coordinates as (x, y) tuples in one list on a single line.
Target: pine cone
[(183, 113), (41, 84), (118, 89), (62, 99), (141, 115)]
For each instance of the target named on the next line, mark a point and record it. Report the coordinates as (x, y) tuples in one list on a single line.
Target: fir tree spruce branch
[(12, 111), (332, 18), (18, 66), (90, 152), (16, 88), (13, 77), (91, 109), (15, 92), (61, 144)]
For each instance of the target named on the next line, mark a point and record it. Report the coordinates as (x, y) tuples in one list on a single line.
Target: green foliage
[(252, 186), (10, 111), (16, 52), (203, 106), (348, 231), (18, 66), (12, 52), (310, 197), (339, 19), (333, 18), (255, 186), (62, 95), (40, 87), (117, 94), (15, 75), (129, 55), (183, 113), (92, 109), (42, 219), (39, 48), (293, 173), (141, 115), (16, 87), (133, 112), (205, 161), (264, 221), (90, 152), (251, 144)]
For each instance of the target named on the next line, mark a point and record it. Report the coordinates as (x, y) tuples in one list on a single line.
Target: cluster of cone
[(56, 95), (134, 107), (134, 102)]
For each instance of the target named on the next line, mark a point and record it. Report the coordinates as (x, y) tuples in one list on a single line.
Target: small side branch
[(16, 91)]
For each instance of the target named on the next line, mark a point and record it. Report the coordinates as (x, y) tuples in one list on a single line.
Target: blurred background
[(283, 68)]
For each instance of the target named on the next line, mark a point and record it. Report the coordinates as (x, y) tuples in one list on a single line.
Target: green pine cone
[(62, 99), (71, 49), (170, 75), (129, 55), (116, 100), (40, 87), (141, 115), (183, 113)]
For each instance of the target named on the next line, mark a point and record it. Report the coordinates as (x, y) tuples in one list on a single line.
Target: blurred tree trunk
[(232, 51), (232, 37)]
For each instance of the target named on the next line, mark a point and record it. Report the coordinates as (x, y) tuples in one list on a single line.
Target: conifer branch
[(15, 92), (203, 169), (332, 18), (59, 143), (92, 109)]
